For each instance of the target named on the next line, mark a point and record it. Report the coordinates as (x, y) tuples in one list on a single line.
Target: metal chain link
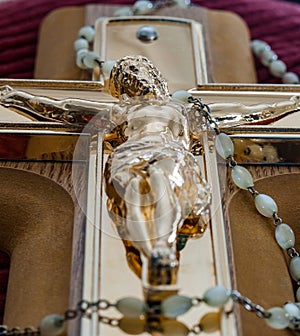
[(85, 308), (109, 321), (253, 191), (231, 162), (196, 329), (249, 305), (277, 219), (296, 323), (29, 331), (204, 109), (292, 253)]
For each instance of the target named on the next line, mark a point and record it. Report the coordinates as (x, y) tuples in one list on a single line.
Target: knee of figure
[(158, 181), (132, 190)]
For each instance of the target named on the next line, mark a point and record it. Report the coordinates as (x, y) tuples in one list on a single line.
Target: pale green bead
[(242, 177), (279, 319), (52, 325), (292, 310), (176, 305), (174, 328), (224, 145), (265, 205), (182, 3), (131, 307), (107, 67), (181, 95), (123, 11), (285, 236), (298, 297), (80, 55), (142, 7), (87, 32), (295, 268), (277, 68), (90, 59), (81, 43), (216, 296), (290, 78)]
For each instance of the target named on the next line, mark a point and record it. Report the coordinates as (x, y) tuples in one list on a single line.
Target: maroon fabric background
[(277, 22)]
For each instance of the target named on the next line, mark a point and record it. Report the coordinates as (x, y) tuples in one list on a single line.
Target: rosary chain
[(249, 305), (235, 295), (292, 253), (109, 321), (29, 331), (85, 307), (277, 219), (205, 112)]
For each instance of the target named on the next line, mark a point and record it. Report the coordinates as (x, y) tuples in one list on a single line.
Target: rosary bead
[(268, 56), (176, 305), (142, 7), (290, 78), (216, 296), (88, 33), (174, 328), (298, 297), (131, 307), (181, 95), (279, 318), (52, 325), (224, 145), (295, 268), (265, 205), (292, 310), (90, 59), (132, 326), (107, 67), (80, 57), (242, 177), (81, 43), (182, 3), (123, 11), (277, 68), (258, 47), (285, 236)]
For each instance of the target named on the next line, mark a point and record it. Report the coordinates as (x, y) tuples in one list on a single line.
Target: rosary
[(87, 59), (157, 197), (155, 193)]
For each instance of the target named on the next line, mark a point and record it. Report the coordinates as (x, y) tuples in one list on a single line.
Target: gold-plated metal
[(69, 111), (254, 88), (180, 46), (237, 114), (136, 76), (155, 189), (126, 79), (53, 84), (203, 266)]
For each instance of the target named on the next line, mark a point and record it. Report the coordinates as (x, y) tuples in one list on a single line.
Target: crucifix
[(156, 194)]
